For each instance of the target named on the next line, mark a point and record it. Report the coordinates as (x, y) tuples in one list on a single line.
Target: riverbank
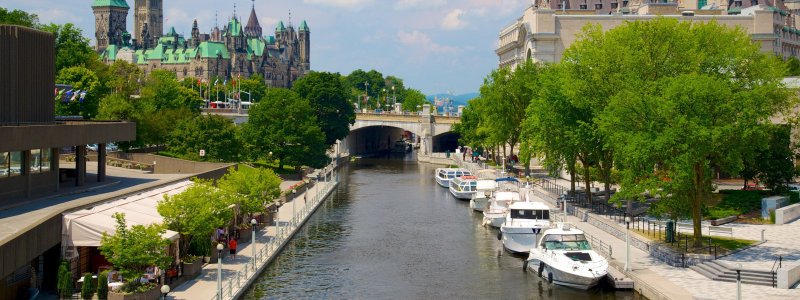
[(238, 274)]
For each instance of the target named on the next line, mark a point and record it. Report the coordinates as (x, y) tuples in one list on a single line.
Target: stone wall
[(787, 214)]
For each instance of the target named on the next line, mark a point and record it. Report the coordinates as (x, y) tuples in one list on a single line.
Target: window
[(36, 161), (583, 6), (15, 168), (598, 6), (4, 161), (47, 154), (614, 5)]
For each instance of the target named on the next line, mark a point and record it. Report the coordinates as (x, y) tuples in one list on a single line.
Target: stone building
[(148, 22), (547, 28), (109, 22), (233, 51)]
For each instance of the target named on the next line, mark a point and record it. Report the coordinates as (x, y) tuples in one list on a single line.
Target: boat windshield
[(566, 242), (530, 214)]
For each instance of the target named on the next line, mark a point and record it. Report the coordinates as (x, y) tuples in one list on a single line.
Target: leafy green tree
[(125, 78), (682, 98), (255, 86), (257, 186), (84, 80), (64, 281), (102, 285), (217, 135), (87, 290), (164, 91), (72, 48), (18, 17), (793, 64), (775, 161), (196, 212), (284, 124), (399, 90), (327, 93), (133, 249), (413, 100)]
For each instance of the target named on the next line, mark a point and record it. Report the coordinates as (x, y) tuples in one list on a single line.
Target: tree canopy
[(328, 93), (133, 249), (257, 187)]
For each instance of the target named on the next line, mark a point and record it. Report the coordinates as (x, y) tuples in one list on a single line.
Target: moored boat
[(563, 256), (444, 175), (495, 214), (522, 225), (483, 193)]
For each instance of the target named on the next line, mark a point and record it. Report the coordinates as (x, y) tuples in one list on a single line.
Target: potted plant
[(64, 281), (102, 285), (87, 290)]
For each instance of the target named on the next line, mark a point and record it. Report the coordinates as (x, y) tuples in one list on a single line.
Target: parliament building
[(235, 50)]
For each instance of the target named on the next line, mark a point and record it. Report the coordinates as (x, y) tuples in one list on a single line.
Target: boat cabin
[(451, 173), (565, 239), (529, 211), (464, 184)]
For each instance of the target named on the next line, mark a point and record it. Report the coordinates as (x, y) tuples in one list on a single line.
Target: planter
[(214, 254), (206, 259), (152, 294), (724, 220), (245, 235), (193, 268)]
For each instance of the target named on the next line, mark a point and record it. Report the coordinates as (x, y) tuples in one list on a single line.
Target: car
[(110, 147), (752, 187), (92, 147), (795, 187)]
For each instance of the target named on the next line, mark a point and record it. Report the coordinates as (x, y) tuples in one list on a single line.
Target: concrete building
[(235, 50), (30, 142), (547, 28)]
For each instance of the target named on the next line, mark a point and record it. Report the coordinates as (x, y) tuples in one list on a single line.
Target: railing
[(777, 263), (598, 245), (238, 281)]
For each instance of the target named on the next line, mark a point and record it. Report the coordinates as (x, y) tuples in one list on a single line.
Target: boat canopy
[(486, 185), (507, 179)]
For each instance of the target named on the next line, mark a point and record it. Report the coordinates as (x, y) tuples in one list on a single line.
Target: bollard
[(762, 234)]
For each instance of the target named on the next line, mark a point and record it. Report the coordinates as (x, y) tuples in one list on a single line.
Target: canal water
[(390, 232)]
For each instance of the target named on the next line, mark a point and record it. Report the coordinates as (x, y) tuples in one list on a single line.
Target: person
[(220, 234), (232, 246)]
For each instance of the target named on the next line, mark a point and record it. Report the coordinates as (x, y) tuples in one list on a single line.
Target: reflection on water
[(391, 232)]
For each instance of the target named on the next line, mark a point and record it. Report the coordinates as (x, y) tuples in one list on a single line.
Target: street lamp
[(366, 93), (627, 245), (738, 281), (306, 180), (165, 291), (294, 198), (219, 270), (253, 223), (394, 97)]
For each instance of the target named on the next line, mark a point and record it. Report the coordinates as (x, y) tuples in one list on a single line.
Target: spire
[(280, 27), (253, 28), (303, 26)]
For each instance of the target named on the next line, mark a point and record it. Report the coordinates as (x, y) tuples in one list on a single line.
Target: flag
[(67, 95), (225, 82), (75, 95), (59, 94), (216, 81), (83, 96), (199, 82)]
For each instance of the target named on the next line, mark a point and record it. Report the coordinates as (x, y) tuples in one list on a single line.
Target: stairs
[(718, 271)]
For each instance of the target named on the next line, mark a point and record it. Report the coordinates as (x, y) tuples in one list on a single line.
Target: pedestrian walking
[(232, 246)]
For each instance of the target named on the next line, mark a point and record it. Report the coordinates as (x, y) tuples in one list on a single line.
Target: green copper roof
[(113, 3), (235, 27), (111, 52), (172, 31), (303, 26), (280, 27), (210, 49), (270, 40), (256, 46)]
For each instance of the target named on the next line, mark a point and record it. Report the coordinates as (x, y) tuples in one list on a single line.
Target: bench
[(685, 226), (720, 229)]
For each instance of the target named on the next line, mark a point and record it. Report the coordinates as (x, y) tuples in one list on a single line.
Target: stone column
[(80, 165), (101, 162)]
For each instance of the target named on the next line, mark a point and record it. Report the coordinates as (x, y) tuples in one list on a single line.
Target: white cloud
[(340, 3), (452, 20), (410, 4), (421, 43)]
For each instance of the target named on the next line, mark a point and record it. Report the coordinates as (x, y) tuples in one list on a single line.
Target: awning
[(84, 228)]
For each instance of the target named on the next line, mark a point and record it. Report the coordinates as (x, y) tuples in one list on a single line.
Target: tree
[(18, 17), (72, 48), (327, 93), (285, 125), (255, 86), (102, 285), (133, 249), (774, 161), (257, 186), (682, 98), (125, 78), (793, 64), (217, 135), (196, 212), (87, 290), (64, 281), (86, 81), (163, 90), (413, 100)]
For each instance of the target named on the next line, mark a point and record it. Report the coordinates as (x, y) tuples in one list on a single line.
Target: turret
[(195, 34), (109, 22), (305, 46), (253, 28)]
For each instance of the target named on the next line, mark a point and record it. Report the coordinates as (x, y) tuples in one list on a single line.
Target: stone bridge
[(375, 132)]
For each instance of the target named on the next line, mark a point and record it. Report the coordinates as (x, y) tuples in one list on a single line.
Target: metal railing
[(232, 285), (776, 265), (598, 245)]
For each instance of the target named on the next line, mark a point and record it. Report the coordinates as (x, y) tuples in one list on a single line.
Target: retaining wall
[(787, 214)]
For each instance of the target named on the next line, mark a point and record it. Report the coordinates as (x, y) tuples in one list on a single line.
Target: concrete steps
[(719, 271)]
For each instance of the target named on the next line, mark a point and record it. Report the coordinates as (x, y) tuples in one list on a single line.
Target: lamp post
[(307, 181), (219, 271), (366, 94), (294, 196), (253, 223), (627, 245), (394, 97), (165, 291), (738, 281)]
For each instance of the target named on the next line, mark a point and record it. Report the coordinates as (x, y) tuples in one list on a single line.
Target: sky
[(436, 46)]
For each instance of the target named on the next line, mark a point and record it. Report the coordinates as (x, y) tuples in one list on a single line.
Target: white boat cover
[(486, 185), (84, 228)]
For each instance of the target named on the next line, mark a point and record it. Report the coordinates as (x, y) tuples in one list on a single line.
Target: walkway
[(684, 283), (204, 287)]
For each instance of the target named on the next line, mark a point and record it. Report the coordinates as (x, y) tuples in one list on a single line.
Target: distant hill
[(457, 99)]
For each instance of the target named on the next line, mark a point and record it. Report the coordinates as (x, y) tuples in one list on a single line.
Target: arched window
[(529, 54)]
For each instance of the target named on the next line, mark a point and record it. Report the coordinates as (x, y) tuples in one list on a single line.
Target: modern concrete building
[(30, 142), (545, 30)]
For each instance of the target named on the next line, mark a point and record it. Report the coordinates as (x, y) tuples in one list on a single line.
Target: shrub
[(719, 213), (772, 216), (102, 285), (794, 197), (87, 290), (741, 201), (64, 281)]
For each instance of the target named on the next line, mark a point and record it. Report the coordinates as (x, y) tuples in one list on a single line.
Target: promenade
[(667, 282), (239, 273)]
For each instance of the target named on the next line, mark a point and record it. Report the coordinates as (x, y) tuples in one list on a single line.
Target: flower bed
[(151, 294)]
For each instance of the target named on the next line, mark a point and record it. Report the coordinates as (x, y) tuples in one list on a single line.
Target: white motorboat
[(523, 223), (564, 256), (483, 193), (444, 175), (495, 214), (463, 187)]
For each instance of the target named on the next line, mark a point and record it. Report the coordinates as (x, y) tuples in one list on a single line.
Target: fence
[(233, 285)]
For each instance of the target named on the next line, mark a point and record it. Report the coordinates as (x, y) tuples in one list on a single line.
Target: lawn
[(287, 169), (726, 244)]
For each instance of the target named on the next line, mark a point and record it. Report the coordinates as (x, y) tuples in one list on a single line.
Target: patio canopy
[(84, 228)]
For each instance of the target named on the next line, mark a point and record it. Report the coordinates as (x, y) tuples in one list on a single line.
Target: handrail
[(779, 262)]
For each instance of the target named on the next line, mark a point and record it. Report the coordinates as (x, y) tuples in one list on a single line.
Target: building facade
[(547, 28), (109, 22), (233, 51)]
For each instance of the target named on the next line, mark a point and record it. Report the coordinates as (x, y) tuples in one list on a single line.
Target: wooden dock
[(618, 279)]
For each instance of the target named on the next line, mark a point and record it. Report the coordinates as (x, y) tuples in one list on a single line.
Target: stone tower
[(195, 34), (253, 28), (109, 22), (305, 46), (150, 12)]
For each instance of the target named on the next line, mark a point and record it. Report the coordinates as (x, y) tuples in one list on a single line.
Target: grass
[(726, 244), (287, 169)]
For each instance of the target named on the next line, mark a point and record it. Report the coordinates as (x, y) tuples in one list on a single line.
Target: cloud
[(422, 44), (355, 4), (412, 4), (452, 21)]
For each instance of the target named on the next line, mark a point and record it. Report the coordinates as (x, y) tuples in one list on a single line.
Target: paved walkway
[(204, 287), (685, 283)]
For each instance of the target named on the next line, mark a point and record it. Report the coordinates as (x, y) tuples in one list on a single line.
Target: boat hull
[(479, 204), (461, 195), (565, 277), (445, 183), (518, 242), (493, 219)]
